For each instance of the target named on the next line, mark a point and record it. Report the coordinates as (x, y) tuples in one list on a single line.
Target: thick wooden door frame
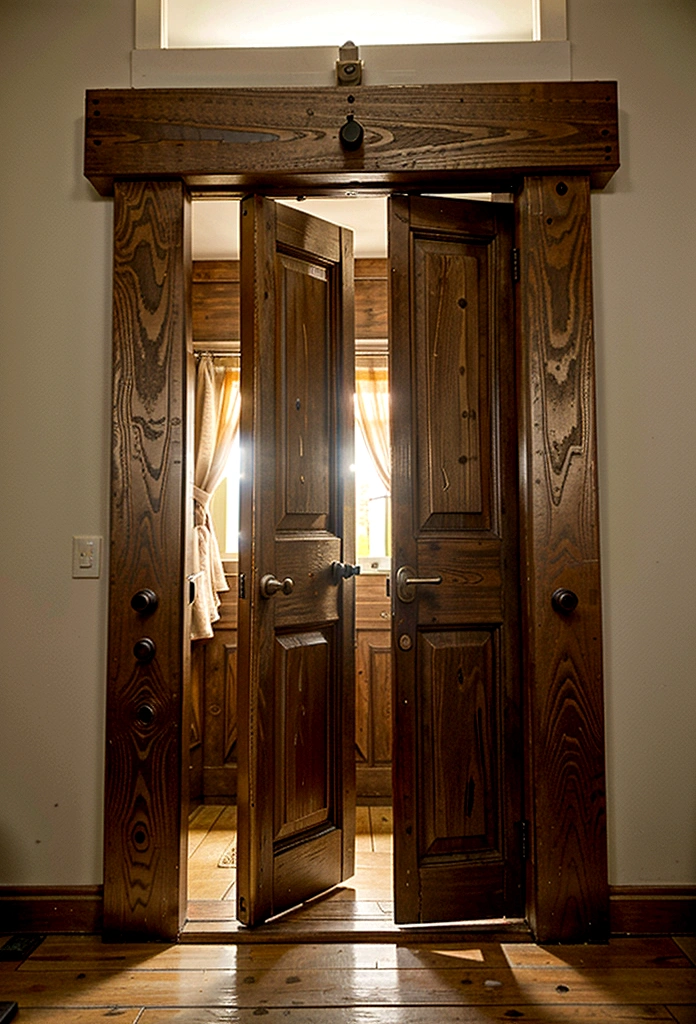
[(547, 144)]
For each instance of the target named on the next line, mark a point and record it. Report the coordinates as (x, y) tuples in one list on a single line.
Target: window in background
[(268, 23)]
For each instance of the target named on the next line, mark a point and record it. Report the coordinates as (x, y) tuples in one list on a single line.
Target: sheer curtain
[(372, 412), (218, 406)]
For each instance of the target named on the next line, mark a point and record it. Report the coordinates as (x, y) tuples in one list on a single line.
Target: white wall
[(645, 302), (54, 411), (55, 269)]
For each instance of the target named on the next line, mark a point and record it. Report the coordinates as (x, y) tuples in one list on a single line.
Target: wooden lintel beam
[(224, 139)]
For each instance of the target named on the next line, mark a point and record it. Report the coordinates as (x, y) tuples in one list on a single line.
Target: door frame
[(547, 145)]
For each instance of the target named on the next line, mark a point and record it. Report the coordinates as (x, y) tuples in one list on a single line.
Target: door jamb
[(152, 179)]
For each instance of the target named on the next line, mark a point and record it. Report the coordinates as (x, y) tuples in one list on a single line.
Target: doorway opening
[(213, 820), (216, 339)]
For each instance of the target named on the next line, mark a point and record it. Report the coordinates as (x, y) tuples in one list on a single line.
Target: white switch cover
[(86, 557)]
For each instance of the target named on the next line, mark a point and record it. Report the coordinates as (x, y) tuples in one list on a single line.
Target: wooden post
[(567, 873), (145, 798)]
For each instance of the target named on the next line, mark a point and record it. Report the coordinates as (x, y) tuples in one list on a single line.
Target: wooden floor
[(418, 979), (359, 910), (80, 980)]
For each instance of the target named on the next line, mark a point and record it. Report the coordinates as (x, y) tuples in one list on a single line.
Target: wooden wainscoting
[(214, 718), (373, 713)]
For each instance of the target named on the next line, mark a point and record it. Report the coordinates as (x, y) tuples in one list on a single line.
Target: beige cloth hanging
[(372, 412), (218, 407)]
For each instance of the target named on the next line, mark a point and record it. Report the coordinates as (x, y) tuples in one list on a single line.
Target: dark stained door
[(457, 690), (296, 612)]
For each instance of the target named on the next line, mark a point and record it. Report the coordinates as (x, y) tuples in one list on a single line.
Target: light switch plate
[(86, 557)]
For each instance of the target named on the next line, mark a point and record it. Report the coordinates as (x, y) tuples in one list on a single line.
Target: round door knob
[(351, 134), (144, 650), (270, 585), (564, 601), (144, 601)]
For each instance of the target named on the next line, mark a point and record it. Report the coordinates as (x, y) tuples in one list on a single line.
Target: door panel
[(457, 738), (296, 654)]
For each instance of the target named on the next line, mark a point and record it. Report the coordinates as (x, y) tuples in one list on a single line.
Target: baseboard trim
[(652, 909), (634, 909), (49, 908)]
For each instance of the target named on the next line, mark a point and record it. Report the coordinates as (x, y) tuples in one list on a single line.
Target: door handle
[(270, 585), (343, 571), (406, 580)]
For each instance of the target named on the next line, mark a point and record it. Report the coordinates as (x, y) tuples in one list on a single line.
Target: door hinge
[(515, 262), (524, 839), (241, 586)]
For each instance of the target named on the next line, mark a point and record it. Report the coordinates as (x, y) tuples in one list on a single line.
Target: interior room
[(212, 823)]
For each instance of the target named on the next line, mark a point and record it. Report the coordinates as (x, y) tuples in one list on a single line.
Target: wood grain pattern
[(457, 685), (561, 548), (296, 761), (215, 298), (144, 860), (213, 138)]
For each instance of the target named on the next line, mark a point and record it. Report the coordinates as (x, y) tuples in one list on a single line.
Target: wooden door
[(296, 613), (457, 695)]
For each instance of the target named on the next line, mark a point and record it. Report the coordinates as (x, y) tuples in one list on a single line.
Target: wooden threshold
[(332, 918)]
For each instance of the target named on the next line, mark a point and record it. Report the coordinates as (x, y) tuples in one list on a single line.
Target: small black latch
[(241, 588), (351, 134)]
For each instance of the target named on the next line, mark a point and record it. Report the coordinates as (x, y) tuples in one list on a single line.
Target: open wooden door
[(455, 580), (296, 603)]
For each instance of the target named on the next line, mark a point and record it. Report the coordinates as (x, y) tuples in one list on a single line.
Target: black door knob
[(144, 601), (351, 134), (343, 571), (564, 601), (144, 650)]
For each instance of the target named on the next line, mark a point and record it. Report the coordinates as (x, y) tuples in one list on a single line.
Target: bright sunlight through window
[(225, 23)]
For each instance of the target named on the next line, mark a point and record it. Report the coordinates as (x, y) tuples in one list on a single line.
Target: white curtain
[(372, 412), (218, 406)]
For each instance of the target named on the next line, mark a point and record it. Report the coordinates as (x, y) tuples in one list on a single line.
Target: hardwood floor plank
[(659, 951), (63, 1015), (414, 1015), (85, 953), (200, 823), (684, 1014), (357, 987), (688, 944)]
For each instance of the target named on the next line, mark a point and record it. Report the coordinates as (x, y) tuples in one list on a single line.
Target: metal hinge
[(241, 586), (515, 262), (524, 839)]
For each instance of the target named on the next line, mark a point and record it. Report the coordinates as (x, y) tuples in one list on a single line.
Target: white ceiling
[(216, 224)]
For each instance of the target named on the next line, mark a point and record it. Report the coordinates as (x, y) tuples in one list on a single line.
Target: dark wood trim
[(566, 803), (146, 791), (287, 139), (46, 908), (653, 909), (635, 910)]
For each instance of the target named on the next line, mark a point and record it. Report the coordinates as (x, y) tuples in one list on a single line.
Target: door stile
[(146, 790), (257, 524), (567, 870), (404, 616), (343, 432)]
